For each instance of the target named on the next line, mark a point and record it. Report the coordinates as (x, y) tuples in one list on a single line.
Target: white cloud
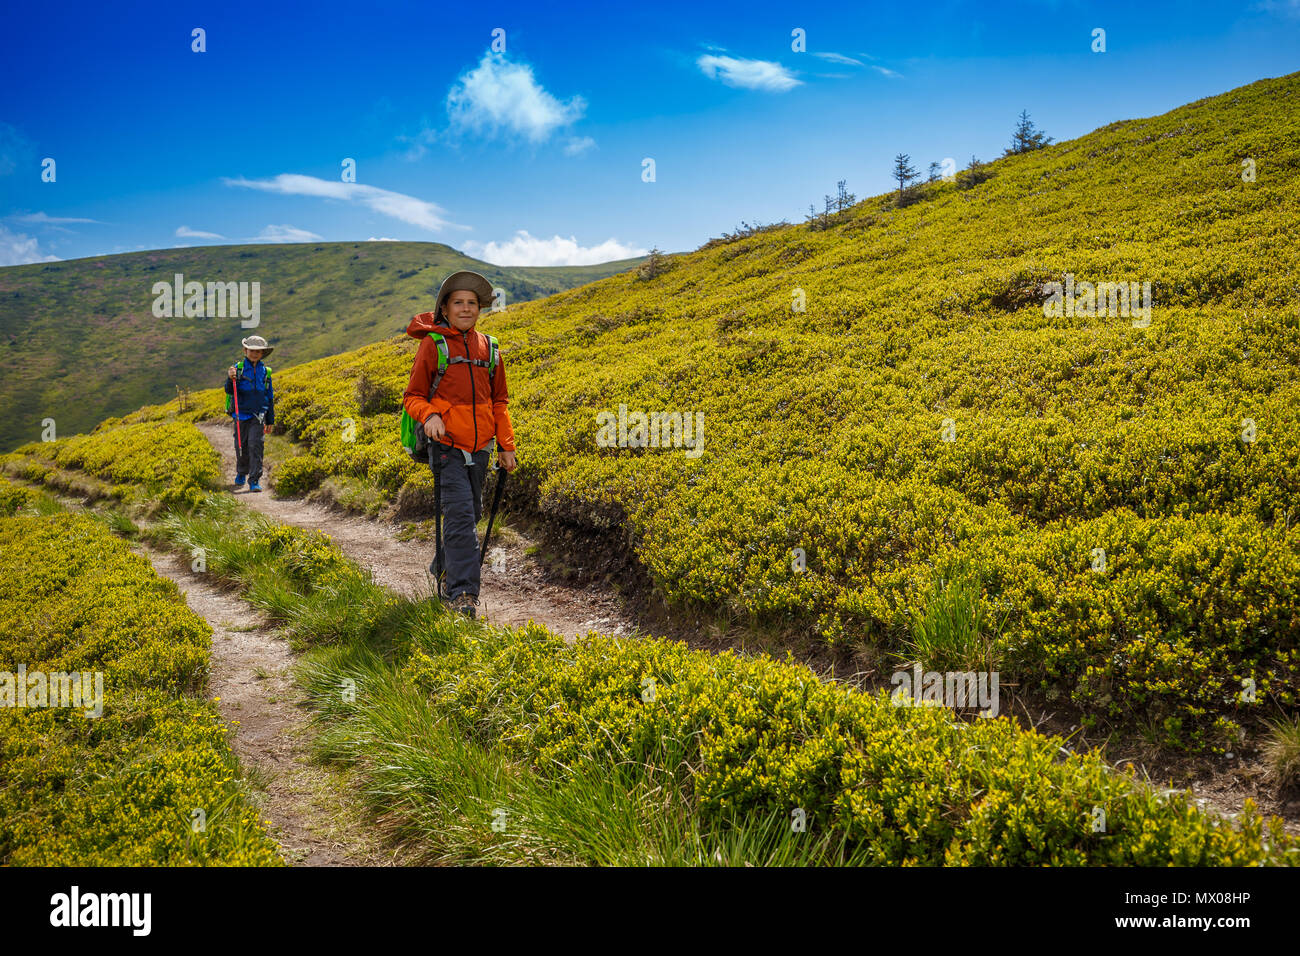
[(382, 239), (578, 145), (851, 61), (526, 250), (44, 219), (408, 209), (284, 234), (185, 232), (748, 74), (17, 249), (839, 58), (498, 97)]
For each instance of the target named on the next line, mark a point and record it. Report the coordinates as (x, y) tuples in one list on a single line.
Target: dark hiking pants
[(248, 459), (462, 509)]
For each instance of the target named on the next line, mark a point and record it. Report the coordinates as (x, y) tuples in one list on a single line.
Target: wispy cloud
[(527, 250), (845, 60), (185, 232), (578, 145), (748, 74), (41, 218), (501, 99), (840, 58), (408, 209), (17, 249), (284, 234), (382, 239)]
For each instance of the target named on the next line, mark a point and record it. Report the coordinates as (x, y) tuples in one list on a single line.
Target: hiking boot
[(239, 481), (254, 486), (464, 604)]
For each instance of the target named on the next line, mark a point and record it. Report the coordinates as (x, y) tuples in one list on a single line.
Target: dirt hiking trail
[(515, 588), (314, 821)]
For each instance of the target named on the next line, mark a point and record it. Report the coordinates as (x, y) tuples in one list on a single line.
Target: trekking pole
[(496, 500), (239, 441), (437, 523)]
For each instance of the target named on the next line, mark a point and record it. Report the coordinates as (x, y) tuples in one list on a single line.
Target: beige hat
[(257, 342), (457, 281)]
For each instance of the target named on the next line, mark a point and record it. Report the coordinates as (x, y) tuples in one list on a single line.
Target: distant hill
[(81, 343)]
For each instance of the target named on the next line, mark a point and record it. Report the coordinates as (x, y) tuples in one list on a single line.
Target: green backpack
[(414, 440), (239, 373)]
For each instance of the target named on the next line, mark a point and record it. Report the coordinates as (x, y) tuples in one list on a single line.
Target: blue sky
[(534, 155)]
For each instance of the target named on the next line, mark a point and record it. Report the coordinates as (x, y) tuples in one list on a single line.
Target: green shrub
[(298, 475)]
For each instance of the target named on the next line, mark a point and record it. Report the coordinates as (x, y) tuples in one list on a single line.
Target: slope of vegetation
[(1127, 494), (149, 782), (83, 342)]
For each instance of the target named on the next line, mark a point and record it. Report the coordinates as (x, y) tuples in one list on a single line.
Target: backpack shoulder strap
[(441, 342), (493, 351)]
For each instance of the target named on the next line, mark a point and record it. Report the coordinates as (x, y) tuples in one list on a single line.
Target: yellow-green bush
[(167, 462), (13, 497), (753, 736), (122, 788), (308, 555), (298, 475)]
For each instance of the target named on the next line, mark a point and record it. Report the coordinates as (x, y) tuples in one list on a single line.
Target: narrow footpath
[(515, 588)]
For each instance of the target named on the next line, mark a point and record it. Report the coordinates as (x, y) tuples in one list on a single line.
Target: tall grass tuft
[(952, 630), (1282, 752)]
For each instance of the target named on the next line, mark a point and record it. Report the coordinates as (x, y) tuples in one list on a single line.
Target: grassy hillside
[(81, 341), (1123, 497)]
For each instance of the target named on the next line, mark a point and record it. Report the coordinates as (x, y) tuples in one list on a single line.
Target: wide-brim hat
[(257, 342), (464, 279)]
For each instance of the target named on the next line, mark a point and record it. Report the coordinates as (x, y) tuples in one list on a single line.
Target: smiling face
[(254, 355), (461, 309)]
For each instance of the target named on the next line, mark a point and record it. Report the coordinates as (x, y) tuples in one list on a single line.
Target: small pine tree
[(655, 264), (934, 172), (843, 198), (975, 174), (904, 173), (1026, 139)]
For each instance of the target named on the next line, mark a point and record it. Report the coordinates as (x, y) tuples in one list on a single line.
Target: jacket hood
[(427, 322)]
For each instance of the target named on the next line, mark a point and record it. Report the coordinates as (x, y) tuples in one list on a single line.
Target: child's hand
[(231, 371), (506, 459), (434, 427)]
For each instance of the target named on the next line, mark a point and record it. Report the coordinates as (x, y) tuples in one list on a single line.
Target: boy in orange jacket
[(464, 415)]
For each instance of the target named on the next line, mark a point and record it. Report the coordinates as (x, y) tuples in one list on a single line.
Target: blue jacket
[(256, 393)]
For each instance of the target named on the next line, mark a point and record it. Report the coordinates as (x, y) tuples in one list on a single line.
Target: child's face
[(461, 310), (254, 355)]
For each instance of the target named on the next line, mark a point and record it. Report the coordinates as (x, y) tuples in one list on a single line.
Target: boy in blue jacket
[(256, 409)]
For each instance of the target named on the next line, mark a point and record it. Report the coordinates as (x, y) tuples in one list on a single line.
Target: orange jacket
[(472, 403)]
